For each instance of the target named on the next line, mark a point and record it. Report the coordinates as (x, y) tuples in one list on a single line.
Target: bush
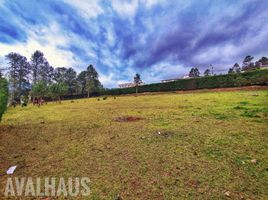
[(257, 77), (57, 90), (3, 96)]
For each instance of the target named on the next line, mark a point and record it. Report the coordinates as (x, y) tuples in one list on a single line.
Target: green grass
[(205, 146)]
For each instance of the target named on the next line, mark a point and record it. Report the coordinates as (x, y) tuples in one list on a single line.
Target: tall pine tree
[(40, 68), (92, 80), (18, 73)]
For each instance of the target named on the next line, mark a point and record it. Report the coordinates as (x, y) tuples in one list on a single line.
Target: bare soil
[(128, 119)]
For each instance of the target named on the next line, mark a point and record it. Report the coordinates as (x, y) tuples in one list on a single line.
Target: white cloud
[(151, 3), (87, 8), (2, 2), (56, 57), (115, 75), (107, 80), (125, 8), (229, 53), (111, 36), (163, 70), (47, 40)]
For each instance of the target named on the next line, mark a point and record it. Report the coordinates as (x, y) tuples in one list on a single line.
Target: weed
[(219, 116), (250, 114), (240, 108), (213, 152), (244, 103)]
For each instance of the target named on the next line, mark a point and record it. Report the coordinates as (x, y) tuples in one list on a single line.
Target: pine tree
[(248, 64), (70, 80), (18, 73), (137, 81), (236, 68), (81, 81), (40, 68), (92, 80), (59, 74), (194, 72), (46, 73), (207, 72)]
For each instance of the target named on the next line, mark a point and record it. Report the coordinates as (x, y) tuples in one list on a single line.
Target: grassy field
[(205, 148)]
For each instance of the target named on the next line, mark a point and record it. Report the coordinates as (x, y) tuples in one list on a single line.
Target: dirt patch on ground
[(5, 128), (128, 119)]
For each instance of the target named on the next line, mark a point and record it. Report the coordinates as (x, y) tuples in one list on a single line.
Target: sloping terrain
[(207, 145)]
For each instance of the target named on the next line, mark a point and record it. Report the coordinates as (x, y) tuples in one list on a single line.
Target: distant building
[(128, 85), (186, 76), (174, 79), (169, 80)]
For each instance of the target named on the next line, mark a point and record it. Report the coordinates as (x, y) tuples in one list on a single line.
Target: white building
[(128, 85), (174, 79)]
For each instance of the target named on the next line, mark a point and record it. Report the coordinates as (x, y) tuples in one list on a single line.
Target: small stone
[(254, 161), (118, 197), (227, 193)]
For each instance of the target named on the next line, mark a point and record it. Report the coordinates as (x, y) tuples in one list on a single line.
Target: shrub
[(3, 96), (57, 90), (40, 89)]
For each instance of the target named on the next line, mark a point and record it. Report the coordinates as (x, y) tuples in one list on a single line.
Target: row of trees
[(248, 65), (38, 77)]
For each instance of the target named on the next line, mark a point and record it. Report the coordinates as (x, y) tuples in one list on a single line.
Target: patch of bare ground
[(128, 119)]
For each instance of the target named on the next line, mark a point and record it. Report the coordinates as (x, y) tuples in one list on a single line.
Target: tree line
[(248, 65), (39, 79)]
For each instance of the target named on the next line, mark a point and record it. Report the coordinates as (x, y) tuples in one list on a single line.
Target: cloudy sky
[(159, 39)]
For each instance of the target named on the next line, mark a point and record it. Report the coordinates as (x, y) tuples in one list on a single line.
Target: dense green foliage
[(38, 74), (257, 77), (57, 90), (39, 89), (3, 96)]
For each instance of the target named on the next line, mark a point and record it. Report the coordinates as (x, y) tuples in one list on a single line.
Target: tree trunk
[(136, 89), (88, 94)]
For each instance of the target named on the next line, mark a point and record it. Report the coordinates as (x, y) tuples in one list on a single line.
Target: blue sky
[(159, 39)]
